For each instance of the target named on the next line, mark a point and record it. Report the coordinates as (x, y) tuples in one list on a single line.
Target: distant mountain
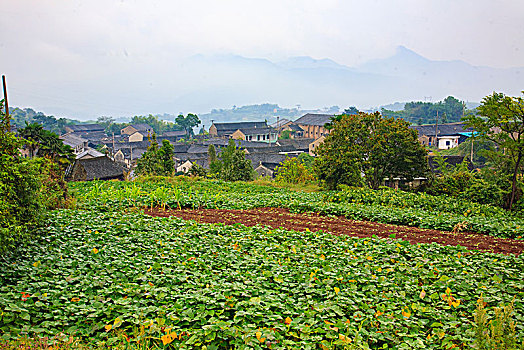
[(225, 80)]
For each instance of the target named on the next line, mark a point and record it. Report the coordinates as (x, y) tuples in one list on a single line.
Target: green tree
[(364, 149), (293, 171), (234, 166), (45, 143), (157, 160), (214, 164), (501, 120), (188, 123)]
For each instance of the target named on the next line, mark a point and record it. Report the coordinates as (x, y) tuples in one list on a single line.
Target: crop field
[(105, 271)]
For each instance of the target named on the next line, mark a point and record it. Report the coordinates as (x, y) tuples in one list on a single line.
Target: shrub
[(293, 171)]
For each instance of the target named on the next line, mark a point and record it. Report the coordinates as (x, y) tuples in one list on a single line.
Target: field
[(106, 271)]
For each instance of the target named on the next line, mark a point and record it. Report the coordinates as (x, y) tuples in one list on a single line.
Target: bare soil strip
[(282, 218)]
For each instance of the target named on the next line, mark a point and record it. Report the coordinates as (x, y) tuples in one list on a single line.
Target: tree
[(234, 166), (501, 120), (364, 149), (44, 143), (157, 160), (188, 123), (293, 171), (351, 110)]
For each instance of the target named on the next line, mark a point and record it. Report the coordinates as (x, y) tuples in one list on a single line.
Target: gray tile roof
[(239, 125), (257, 131), (72, 140), (142, 127), (101, 168), (298, 144), (314, 119), (443, 129), (85, 127)]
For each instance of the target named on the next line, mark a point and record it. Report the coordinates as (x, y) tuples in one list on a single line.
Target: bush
[(293, 171), (28, 187)]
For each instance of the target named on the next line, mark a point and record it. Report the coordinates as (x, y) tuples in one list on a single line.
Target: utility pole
[(113, 146), (436, 130), (6, 105)]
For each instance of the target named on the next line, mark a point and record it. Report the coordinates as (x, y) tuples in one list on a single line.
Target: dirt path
[(277, 217)]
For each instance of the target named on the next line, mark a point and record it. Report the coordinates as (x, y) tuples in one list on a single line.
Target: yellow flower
[(95, 251)]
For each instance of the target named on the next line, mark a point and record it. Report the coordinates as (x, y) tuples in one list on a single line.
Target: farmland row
[(384, 206), (93, 273)]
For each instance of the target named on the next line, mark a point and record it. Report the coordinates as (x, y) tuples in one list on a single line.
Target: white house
[(447, 142)]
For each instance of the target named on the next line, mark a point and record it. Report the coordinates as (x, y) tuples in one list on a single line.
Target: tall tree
[(501, 120), (364, 149), (188, 123), (234, 165)]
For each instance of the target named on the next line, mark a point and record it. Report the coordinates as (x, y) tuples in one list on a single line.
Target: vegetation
[(157, 160), (293, 171), (501, 121), (28, 187), (364, 149), (22, 117), (188, 123), (183, 284), (449, 110), (233, 165)]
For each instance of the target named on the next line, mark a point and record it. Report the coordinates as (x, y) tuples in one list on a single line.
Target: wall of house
[(136, 137), (313, 131), (128, 130), (213, 130), (447, 142)]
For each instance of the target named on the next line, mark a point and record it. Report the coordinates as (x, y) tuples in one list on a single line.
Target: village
[(104, 157)]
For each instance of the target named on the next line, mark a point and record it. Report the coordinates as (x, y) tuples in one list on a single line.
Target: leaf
[(168, 338), (108, 327), (37, 263)]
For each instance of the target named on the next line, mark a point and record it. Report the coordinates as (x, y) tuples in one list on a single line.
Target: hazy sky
[(76, 54)]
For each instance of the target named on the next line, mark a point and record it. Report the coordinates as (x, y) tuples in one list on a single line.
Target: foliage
[(365, 149), (449, 110), (28, 186), (157, 160), (197, 170), (44, 143), (385, 205), (188, 123), (159, 126), (292, 170), (307, 160), (497, 333), (233, 165), (285, 135), (22, 117), (501, 121), (95, 273)]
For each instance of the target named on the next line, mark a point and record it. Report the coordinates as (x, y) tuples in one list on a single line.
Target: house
[(84, 128), (295, 131), (314, 124), (313, 145), (266, 163), (128, 156), (89, 153), (262, 134), (77, 143), (453, 134), (225, 130), (185, 166), (100, 168), (131, 129), (174, 135), (300, 145), (139, 136)]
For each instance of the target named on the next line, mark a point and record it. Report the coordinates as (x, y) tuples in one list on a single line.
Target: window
[(448, 143)]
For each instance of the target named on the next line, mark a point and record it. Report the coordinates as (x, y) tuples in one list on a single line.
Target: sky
[(121, 58)]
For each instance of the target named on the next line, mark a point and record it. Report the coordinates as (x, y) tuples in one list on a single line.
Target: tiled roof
[(85, 127), (91, 152), (99, 168), (72, 140), (299, 144), (257, 131), (314, 119), (443, 129), (142, 127), (239, 125)]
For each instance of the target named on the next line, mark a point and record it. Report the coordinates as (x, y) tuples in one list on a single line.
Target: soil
[(282, 218)]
